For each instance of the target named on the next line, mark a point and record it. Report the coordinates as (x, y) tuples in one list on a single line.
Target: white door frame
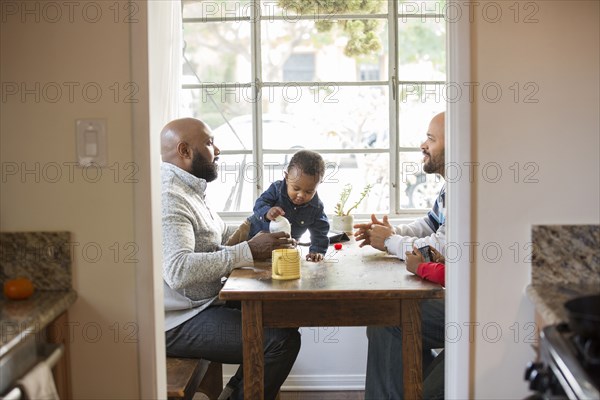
[(147, 211), (148, 232), (458, 368)]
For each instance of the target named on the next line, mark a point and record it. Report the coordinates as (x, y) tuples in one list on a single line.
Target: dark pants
[(215, 334), (384, 361)]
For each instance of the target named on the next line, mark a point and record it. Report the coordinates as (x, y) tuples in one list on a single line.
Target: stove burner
[(569, 365), (588, 351)]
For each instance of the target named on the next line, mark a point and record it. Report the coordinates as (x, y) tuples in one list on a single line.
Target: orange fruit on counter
[(18, 288)]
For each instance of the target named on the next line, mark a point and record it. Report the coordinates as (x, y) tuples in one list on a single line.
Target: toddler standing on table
[(296, 198)]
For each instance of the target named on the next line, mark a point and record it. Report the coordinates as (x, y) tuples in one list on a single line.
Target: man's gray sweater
[(194, 257)]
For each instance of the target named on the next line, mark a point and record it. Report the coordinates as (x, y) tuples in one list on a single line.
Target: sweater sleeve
[(428, 230), (418, 233), (187, 268), (434, 272)]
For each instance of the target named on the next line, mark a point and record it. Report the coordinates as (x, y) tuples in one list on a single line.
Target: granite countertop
[(565, 264), (45, 258), (549, 299), (21, 317)]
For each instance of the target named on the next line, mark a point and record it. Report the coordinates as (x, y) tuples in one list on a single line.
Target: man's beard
[(434, 165), (203, 169)]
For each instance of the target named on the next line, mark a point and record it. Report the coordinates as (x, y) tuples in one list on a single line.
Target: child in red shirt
[(431, 271)]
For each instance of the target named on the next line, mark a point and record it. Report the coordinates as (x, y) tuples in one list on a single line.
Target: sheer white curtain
[(156, 66), (166, 47)]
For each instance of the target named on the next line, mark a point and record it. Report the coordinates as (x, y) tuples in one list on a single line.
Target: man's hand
[(362, 232), (264, 243), (379, 232), (315, 257), (414, 258), (274, 212)]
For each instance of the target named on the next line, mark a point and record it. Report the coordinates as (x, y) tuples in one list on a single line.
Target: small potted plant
[(344, 220)]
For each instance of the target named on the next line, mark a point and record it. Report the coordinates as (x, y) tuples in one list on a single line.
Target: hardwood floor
[(346, 395)]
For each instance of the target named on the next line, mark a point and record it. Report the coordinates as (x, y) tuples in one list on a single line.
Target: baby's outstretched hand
[(316, 257), (274, 212)]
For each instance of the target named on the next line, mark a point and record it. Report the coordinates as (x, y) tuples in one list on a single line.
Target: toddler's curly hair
[(309, 162)]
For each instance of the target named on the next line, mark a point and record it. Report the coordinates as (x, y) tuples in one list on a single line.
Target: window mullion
[(394, 87), (256, 76), (257, 154)]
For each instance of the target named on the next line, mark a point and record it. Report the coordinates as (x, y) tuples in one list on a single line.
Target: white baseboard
[(320, 382), (324, 382)]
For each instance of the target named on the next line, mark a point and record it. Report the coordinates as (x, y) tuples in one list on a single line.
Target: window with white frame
[(357, 82)]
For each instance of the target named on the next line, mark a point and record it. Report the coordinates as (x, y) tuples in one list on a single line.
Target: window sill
[(360, 219)]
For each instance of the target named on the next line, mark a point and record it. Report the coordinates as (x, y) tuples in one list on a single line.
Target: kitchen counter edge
[(19, 318), (549, 300)]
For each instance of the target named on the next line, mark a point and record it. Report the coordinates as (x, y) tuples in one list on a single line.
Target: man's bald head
[(188, 144), (439, 121), (176, 132), (434, 147)]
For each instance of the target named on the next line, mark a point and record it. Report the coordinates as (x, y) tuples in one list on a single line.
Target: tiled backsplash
[(43, 257)]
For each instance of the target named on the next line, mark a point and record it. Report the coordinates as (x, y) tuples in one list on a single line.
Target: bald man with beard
[(196, 258)]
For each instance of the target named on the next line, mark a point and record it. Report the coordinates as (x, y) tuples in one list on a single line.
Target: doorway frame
[(147, 225), (458, 368)]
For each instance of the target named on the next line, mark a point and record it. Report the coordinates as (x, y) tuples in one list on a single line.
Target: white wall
[(331, 358), (559, 134), (76, 47)]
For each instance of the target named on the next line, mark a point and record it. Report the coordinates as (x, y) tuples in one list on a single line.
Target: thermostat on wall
[(91, 142)]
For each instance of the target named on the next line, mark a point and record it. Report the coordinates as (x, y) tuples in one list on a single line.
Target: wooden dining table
[(351, 287)]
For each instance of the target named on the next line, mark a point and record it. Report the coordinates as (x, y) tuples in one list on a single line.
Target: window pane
[(328, 116), (306, 42), (366, 169), (422, 49), (211, 104), (280, 132), (299, 67), (422, 7), (233, 188), (288, 9), (217, 8), (291, 8), (301, 51), (418, 104), (218, 52), (417, 189), (357, 169)]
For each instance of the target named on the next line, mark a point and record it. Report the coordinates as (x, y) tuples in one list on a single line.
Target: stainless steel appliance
[(568, 368), (22, 357)]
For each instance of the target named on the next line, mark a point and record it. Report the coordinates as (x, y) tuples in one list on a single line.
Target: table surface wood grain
[(350, 287), (352, 272)]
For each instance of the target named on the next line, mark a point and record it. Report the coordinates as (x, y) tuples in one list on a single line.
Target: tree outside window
[(321, 75)]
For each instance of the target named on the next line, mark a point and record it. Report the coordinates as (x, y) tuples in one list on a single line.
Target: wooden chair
[(187, 376)]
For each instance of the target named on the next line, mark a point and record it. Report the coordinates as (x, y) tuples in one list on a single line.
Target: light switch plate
[(91, 142)]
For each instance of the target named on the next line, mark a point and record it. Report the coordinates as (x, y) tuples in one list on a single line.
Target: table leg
[(254, 362), (412, 349)]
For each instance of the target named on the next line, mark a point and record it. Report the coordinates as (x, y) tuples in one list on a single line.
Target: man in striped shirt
[(384, 378)]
